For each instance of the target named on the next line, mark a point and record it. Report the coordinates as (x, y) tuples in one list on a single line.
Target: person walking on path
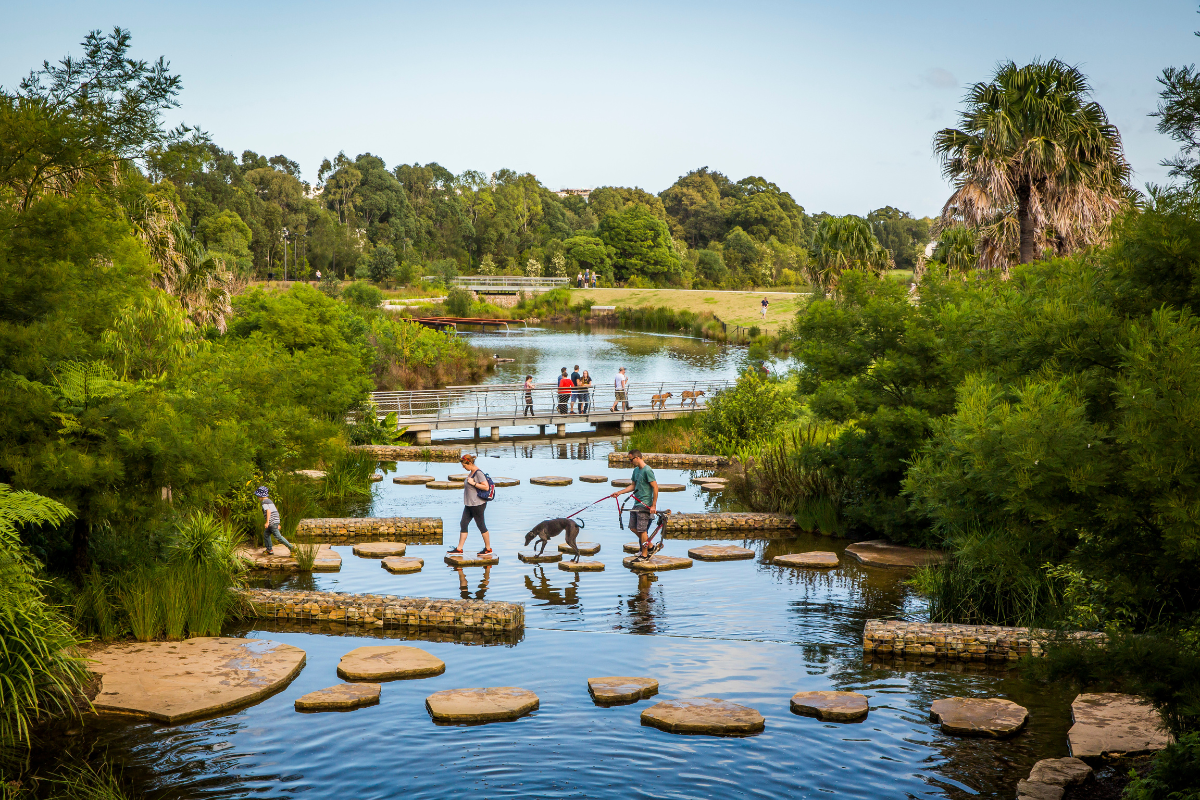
[(585, 397), (593, 280), (473, 506), (645, 505), (764, 307), (529, 397), (565, 388), (621, 390), (270, 520), (576, 395)]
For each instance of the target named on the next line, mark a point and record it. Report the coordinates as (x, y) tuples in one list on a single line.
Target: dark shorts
[(639, 520)]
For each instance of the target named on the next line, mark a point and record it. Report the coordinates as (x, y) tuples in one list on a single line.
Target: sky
[(837, 103)]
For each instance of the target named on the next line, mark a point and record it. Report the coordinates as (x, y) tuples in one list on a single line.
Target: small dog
[(547, 529), (693, 396), (660, 400)]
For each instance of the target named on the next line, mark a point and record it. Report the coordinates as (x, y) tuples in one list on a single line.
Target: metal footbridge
[(509, 405)]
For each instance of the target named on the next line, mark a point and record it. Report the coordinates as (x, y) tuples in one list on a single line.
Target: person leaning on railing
[(528, 396)]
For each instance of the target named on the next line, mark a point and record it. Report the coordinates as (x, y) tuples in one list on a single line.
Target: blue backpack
[(488, 493)]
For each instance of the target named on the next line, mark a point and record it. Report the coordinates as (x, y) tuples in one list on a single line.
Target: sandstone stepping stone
[(708, 715), (881, 553), (712, 487), (551, 480), (831, 706), (992, 717), (379, 549), (1110, 723), (342, 697), (376, 478), (704, 481), (388, 662), (1028, 790), (402, 566), (458, 476), (504, 483), (671, 487), (494, 704), (594, 478), (412, 479), (472, 560), (581, 566), (585, 548), (720, 552), (1050, 777), (176, 681), (312, 474), (444, 485), (327, 560), (656, 563), (819, 559), (531, 557), (615, 691), (621, 483), (632, 547)]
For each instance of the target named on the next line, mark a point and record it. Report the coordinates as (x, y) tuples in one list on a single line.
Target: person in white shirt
[(621, 385)]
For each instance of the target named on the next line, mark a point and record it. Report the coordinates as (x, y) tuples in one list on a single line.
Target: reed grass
[(682, 435), (296, 499), (85, 782), (348, 477), (305, 555)]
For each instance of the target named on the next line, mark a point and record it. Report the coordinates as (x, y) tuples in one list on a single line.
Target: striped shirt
[(270, 512)]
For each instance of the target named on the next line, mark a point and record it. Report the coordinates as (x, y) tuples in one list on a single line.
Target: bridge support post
[(543, 427), (495, 433), (562, 430), (626, 426), (423, 437)]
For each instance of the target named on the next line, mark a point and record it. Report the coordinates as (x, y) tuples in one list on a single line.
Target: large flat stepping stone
[(621, 483), (281, 559), (311, 474), (176, 681), (671, 487), (581, 566), (831, 706), (594, 478), (814, 559), (531, 557), (388, 662), (412, 479), (551, 480), (881, 553), (706, 715), (709, 480), (494, 704), (343, 697), (1111, 723), (720, 552), (656, 563), (504, 483), (444, 485), (1054, 772), (616, 691), (712, 487), (379, 549), (991, 717), (584, 548), (472, 560), (398, 565)]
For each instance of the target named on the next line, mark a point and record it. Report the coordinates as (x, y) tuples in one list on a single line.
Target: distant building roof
[(576, 192)]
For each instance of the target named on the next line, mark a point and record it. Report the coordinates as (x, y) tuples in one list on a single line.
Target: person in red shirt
[(565, 387)]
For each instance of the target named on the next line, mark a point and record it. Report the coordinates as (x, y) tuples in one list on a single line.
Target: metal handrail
[(509, 281)]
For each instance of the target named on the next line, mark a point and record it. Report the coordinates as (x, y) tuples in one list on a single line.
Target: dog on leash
[(660, 400), (693, 396), (547, 529)]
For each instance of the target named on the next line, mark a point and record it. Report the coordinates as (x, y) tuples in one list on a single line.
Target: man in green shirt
[(645, 505)]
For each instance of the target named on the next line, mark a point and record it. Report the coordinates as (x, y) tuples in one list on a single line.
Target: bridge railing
[(497, 401), (508, 282)]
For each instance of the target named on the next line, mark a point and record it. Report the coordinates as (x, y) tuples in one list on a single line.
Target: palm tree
[(843, 243), (1035, 164)]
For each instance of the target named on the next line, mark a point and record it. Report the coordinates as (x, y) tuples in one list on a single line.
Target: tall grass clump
[(681, 435), (348, 477), (296, 499), (305, 555), (84, 782)]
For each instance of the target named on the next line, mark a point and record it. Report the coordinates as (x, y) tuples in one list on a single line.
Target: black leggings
[(473, 513)]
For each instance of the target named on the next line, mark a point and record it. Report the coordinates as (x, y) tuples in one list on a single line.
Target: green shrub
[(746, 414), (1175, 774), (363, 295), (459, 301), (202, 538)]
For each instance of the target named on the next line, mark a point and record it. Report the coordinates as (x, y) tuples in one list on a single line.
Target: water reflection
[(540, 587), (464, 587)]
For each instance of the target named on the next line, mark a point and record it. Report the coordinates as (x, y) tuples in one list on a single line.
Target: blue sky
[(837, 103)]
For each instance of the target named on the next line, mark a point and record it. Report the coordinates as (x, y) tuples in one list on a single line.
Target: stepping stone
[(581, 566), (176, 681), (712, 487), (311, 474), (720, 552), (379, 549), (881, 553), (327, 560), (1052, 774), (530, 557), (632, 547), (444, 485), (551, 480), (704, 481), (472, 560), (388, 662), (657, 563), (621, 483), (412, 479), (992, 717), (402, 566), (495, 704), (1028, 790), (1109, 723), (708, 715), (376, 478), (458, 476), (594, 478), (671, 487), (585, 548), (504, 483), (342, 697), (831, 706), (818, 559), (619, 691)]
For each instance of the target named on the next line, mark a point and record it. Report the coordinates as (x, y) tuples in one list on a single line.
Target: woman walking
[(528, 397), (585, 392), (473, 506)]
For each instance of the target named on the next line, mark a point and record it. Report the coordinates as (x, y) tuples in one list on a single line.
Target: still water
[(744, 631)]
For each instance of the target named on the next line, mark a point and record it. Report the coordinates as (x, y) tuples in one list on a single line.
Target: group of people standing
[(585, 279), (574, 392)]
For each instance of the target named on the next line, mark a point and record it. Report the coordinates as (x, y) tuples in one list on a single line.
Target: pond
[(743, 631)]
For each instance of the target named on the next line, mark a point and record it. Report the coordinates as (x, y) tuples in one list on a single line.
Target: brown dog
[(660, 400), (693, 396)]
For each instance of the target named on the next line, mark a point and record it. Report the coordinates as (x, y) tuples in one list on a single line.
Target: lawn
[(737, 308)]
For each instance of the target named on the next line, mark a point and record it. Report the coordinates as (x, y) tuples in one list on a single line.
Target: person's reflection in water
[(464, 587), (542, 590), (641, 605)]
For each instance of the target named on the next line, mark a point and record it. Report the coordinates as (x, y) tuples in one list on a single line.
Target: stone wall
[(671, 460), (954, 642), (355, 530), (389, 452), (751, 525), (387, 611)]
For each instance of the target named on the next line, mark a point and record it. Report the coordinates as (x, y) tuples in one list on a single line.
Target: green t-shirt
[(642, 490)]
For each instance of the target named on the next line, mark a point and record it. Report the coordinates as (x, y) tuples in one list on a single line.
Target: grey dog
[(547, 529)]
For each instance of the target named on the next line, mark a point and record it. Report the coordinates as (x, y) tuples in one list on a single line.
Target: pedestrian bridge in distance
[(504, 405)]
